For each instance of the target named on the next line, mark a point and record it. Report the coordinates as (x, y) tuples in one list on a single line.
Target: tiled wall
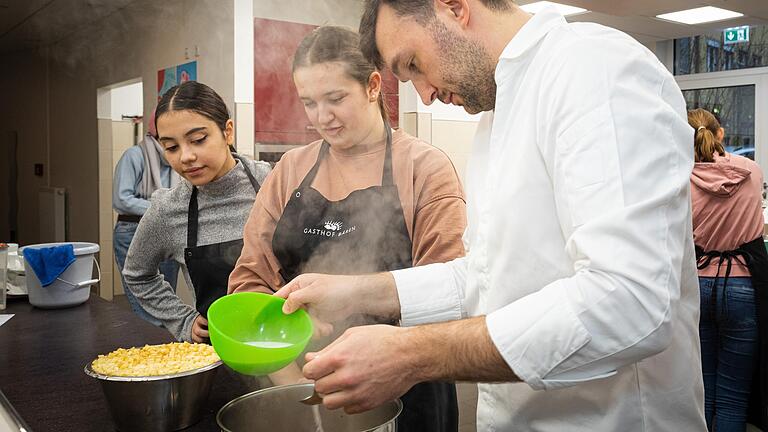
[(451, 136), (106, 170), (122, 139), (455, 139), (114, 138)]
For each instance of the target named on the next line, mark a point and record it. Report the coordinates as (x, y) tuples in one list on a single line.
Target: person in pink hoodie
[(726, 191)]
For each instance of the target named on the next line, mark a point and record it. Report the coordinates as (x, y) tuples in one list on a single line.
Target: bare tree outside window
[(710, 53), (735, 108)]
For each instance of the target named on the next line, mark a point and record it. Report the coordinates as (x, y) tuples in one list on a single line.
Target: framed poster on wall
[(174, 75)]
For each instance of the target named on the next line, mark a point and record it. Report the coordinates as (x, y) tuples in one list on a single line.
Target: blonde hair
[(705, 141)]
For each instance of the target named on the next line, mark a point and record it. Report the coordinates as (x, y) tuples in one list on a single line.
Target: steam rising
[(138, 35), (357, 238)]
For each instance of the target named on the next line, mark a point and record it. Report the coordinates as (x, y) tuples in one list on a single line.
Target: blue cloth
[(50, 262), (729, 343), (123, 235), (127, 181)]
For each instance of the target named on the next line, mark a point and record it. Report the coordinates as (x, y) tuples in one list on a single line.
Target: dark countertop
[(43, 352)]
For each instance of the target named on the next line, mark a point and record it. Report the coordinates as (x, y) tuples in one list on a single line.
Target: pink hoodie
[(727, 207)]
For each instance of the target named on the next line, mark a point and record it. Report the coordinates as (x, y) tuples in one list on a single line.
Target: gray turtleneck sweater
[(223, 207)]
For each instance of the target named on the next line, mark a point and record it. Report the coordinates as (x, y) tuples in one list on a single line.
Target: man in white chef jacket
[(577, 304)]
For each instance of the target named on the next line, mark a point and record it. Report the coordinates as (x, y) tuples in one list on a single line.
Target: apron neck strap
[(192, 211), (192, 219), (386, 175), (387, 179), (313, 172), (248, 172)]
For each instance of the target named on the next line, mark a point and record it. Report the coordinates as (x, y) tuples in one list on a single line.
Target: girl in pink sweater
[(726, 191)]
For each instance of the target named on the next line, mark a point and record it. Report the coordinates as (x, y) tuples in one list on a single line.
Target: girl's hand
[(200, 329)]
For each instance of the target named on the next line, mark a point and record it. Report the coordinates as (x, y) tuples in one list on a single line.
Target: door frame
[(110, 284), (753, 76)]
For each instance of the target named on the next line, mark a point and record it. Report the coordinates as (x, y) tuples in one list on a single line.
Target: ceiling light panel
[(562, 8), (700, 15)]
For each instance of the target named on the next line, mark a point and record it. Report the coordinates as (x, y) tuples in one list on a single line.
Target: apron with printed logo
[(362, 233)]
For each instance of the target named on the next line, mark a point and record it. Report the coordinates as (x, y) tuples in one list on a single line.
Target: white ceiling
[(29, 23), (638, 17)]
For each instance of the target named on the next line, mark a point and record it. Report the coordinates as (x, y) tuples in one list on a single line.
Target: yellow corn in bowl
[(156, 388)]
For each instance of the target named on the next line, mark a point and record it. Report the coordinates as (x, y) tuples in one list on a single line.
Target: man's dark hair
[(423, 11)]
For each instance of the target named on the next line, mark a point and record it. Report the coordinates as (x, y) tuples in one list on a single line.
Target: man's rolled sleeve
[(431, 293)]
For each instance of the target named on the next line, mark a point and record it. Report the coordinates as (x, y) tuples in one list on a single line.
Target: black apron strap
[(192, 212), (758, 269), (192, 219), (254, 183), (755, 257), (704, 258), (387, 178), (313, 172)]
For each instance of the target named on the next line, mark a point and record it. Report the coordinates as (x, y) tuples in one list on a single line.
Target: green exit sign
[(736, 35)]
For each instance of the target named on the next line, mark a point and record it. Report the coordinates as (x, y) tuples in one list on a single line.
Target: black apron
[(362, 233), (209, 266), (754, 255)]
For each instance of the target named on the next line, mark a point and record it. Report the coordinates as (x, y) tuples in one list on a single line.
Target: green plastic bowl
[(252, 335)]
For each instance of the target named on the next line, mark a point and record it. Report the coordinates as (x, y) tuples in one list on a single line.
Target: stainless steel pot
[(157, 403), (279, 409)]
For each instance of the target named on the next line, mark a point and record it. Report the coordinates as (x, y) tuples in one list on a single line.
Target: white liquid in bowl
[(269, 344)]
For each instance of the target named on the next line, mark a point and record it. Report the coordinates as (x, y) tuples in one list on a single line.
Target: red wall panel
[(279, 114)]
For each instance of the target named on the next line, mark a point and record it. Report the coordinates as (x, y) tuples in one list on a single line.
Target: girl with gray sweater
[(198, 223)]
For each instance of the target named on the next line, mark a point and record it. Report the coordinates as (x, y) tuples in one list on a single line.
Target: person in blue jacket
[(142, 169)]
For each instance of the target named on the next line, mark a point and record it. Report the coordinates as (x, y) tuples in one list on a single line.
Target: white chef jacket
[(580, 247)]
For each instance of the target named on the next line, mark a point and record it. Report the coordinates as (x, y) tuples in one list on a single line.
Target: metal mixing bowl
[(279, 409), (157, 403)]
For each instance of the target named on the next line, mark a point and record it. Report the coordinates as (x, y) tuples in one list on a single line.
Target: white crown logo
[(333, 226)]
